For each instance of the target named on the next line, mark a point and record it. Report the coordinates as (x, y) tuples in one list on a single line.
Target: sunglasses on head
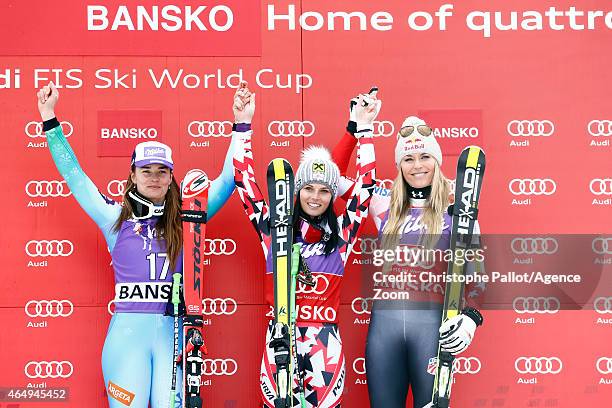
[(423, 130)]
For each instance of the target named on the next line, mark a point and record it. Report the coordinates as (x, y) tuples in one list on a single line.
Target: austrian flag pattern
[(326, 294)]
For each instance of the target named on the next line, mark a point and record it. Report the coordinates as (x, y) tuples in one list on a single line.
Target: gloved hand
[(456, 333)]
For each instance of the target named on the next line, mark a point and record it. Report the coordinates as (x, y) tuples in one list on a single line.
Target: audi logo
[(531, 246), (47, 188), (116, 188), (601, 186), (320, 286), (466, 365), (530, 128), (53, 247), (219, 366), (361, 305), (359, 366), (365, 246), (532, 305), (601, 246), (382, 128), (532, 186), (35, 129), (108, 307), (210, 128), (220, 246), (538, 365), (288, 128), (49, 308), (603, 305), (604, 365), (48, 369), (600, 127), (219, 306)]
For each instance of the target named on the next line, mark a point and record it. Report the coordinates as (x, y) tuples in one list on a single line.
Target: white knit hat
[(317, 166), (416, 142)]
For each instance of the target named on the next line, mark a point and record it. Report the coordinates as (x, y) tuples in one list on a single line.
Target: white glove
[(456, 334)]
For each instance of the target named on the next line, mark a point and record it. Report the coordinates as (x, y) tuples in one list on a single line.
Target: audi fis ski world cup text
[(160, 78)]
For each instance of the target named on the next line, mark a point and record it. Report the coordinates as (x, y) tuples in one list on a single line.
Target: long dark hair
[(329, 217), (169, 226)]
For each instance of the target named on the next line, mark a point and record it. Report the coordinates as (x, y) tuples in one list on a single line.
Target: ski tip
[(474, 147), (277, 161), (194, 182)]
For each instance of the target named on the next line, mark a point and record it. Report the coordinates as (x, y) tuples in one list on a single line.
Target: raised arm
[(101, 209), (252, 199), (223, 186), (341, 154), (357, 205)]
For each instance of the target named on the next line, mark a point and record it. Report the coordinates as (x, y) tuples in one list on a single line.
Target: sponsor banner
[(455, 128), (120, 131), (147, 27)]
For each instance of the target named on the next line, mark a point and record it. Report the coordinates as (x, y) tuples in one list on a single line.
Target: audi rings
[(382, 128), (602, 246), (219, 246), (291, 128), (320, 286), (603, 305), (359, 366), (532, 186), (219, 306), (47, 188), (35, 129), (534, 246), (49, 308), (466, 365), (600, 127), (116, 188), (365, 246), (538, 365), (604, 365), (530, 128), (601, 186), (532, 305), (362, 305), (219, 366), (48, 369), (210, 128), (52, 247), (108, 307)]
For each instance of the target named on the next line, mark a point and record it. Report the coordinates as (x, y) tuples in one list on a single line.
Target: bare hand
[(367, 108), (244, 104), (47, 99)]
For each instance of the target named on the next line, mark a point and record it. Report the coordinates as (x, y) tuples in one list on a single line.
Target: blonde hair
[(432, 217), (169, 226)]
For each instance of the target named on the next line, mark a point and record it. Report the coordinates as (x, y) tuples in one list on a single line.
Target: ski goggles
[(423, 130), (143, 208)]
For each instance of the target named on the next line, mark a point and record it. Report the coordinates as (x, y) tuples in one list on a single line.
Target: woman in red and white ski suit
[(327, 241)]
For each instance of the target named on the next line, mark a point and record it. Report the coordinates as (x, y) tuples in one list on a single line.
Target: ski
[(470, 171), (194, 196), (280, 194)]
